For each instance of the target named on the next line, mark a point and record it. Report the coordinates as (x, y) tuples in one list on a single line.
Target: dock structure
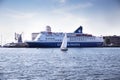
[(18, 44), (15, 45), (111, 41)]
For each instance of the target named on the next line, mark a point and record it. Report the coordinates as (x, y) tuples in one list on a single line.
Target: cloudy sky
[(98, 17)]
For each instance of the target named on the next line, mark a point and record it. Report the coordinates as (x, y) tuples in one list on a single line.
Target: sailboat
[(63, 46)]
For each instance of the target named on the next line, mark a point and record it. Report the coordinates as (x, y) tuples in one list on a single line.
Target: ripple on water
[(52, 64)]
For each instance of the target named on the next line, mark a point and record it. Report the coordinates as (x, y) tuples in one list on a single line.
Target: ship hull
[(58, 44)]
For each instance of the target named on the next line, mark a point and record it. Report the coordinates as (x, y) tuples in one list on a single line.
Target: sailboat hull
[(64, 49)]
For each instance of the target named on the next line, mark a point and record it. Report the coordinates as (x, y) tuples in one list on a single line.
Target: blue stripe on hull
[(57, 44)]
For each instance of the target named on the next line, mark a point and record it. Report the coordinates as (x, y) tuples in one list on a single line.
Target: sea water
[(54, 64)]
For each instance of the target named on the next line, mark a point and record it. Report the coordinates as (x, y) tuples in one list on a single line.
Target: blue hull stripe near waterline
[(69, 44)]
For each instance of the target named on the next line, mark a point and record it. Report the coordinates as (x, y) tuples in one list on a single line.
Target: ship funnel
[(48, 28), (78, 30)]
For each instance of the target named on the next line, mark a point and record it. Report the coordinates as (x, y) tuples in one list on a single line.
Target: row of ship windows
[(71, 39), (53, 34), (48, 38), (51, 39), (90, 38)]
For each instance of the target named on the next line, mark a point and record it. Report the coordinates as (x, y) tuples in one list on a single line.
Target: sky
[(98, 17)]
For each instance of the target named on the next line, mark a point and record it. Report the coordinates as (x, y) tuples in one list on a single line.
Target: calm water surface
[(53, 64)]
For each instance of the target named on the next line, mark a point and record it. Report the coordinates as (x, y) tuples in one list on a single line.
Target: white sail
[(64, 43)]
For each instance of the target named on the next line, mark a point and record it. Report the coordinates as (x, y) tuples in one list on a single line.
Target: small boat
[(63, 46)]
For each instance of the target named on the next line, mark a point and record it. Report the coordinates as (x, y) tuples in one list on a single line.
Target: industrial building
[(113, 41)]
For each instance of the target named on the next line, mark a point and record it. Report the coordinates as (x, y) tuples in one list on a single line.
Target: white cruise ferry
[(48, 39)]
